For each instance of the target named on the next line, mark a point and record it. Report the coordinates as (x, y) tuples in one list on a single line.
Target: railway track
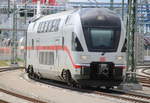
[(3, 69), (21, 96), (118, 94), (144, 79), (127, 96), (131, 97), (16, 94), (2, 101), (144, 72)]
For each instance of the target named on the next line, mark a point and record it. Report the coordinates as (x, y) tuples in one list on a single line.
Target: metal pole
[(131, 29), (8, 8), (25, 18), (122, 9), (111, 4), (14, 38), (130, 80), (142, 19), (25, 56)]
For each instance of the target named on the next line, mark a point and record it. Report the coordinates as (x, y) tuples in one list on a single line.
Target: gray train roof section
[(99, 17)]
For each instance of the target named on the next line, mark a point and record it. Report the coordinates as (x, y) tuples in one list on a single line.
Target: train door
[(57, 54), (37, 44)]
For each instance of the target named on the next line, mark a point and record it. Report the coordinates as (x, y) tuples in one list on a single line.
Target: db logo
[(102, 59)]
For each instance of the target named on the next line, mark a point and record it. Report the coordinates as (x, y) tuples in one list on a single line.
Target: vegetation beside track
[(3, 63)]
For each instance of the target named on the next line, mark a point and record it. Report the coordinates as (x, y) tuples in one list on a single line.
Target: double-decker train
[(83, 46)]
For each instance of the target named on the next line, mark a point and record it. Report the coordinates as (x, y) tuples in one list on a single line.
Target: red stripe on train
[(64, 48)]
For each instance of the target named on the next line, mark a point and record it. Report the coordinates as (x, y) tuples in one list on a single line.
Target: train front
[(101, 54)]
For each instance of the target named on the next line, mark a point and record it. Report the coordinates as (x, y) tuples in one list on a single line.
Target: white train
[(84, 46)]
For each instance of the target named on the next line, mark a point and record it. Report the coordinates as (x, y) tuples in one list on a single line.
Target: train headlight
[(84, 57), (100, 18), (21, 47), (119, 57)]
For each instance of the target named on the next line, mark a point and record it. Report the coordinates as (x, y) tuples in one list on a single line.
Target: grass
[(3, 63)]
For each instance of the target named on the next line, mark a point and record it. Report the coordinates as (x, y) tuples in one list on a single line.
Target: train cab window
[(124, 48), (39, 26), (102, 40), (68, 20), (76, 45)]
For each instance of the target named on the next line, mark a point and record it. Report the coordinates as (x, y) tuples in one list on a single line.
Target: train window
[(51, 56), (68, 20), (76, 45), (50, 25), (53, 26), (40, 57), (32, 44), (45, 26), (124, 48), (39, 27), (57, 25), (42, 27), (46, 58), (102, 40)]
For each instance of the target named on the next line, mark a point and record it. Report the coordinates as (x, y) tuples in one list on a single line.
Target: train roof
[(99, 17), (88, 12), (57, 14)]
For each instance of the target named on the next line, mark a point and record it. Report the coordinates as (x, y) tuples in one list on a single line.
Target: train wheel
[(108, 87), (35, 76), (30, 72), (81, 86), (67, 77), (27, 69)]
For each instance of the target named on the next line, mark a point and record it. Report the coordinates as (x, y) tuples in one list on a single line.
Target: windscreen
[(101, 28), (102, 40)]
